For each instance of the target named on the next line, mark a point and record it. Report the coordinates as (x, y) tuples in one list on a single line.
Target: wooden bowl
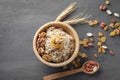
[(69, 30)]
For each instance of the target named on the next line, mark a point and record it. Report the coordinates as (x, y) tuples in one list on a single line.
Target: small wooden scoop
[(70, 72)]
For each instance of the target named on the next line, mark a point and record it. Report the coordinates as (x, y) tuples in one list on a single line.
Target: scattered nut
[(108, 12), (112, 34), (91, 39), (102, 24), (95, 22), (111, 25), (113, 20), (117, 24), (95, 55), (89, 34), (116, 15), (102, 7), (83, 55), (99, 43), (103, 39), (107, 2), (90, 44), (105, 47), (111, 52), (100, 34), (90, 23), (106, 28)]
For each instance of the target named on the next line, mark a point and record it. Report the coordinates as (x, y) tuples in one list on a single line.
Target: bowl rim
[(74, 55)]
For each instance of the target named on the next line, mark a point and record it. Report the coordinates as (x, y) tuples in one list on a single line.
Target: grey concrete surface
[(20, 19)]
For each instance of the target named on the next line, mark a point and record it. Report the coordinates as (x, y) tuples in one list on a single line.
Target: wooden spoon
[(70, 72)]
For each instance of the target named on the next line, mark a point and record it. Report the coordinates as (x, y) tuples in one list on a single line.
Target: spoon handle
[(62, 74)]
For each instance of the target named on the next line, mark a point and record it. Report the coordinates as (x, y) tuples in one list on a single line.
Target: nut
[(91, 39), (113, 20), (47, 57), (41, 51), (111, 25), (83, 55), (90, 44), (102, 24), (111, 52), (90, 23), (100, 34), (106, 28), (103, 39), (95, 55), (95, 22), (99, 43), (107, 2), (117, 24), (112, 34)]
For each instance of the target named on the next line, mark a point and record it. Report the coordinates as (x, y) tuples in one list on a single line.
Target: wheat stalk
[(67, 11), (79, 20)]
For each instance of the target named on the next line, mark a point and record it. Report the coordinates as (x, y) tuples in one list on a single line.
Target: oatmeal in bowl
[(56, 44)]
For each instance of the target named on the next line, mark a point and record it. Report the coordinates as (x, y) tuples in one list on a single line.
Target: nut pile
[(41, 46), (91, 66)]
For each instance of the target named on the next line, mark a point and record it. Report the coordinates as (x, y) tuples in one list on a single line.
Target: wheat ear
[(67, 11)]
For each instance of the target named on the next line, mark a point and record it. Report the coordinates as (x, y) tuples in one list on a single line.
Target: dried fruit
[(103, 39), (119, 28), (112, 34), (95, 55), (103, 50), (85, 40), (99, 43), (90, 23), (113, 20), (99, 39), (95, 22), (107, 2), (106, 28), (83, 55), (117, 24), (111, 25), (91, 39), (100, 34), (81, 42)]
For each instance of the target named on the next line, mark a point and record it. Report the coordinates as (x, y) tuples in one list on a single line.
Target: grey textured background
[(20, 19)]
